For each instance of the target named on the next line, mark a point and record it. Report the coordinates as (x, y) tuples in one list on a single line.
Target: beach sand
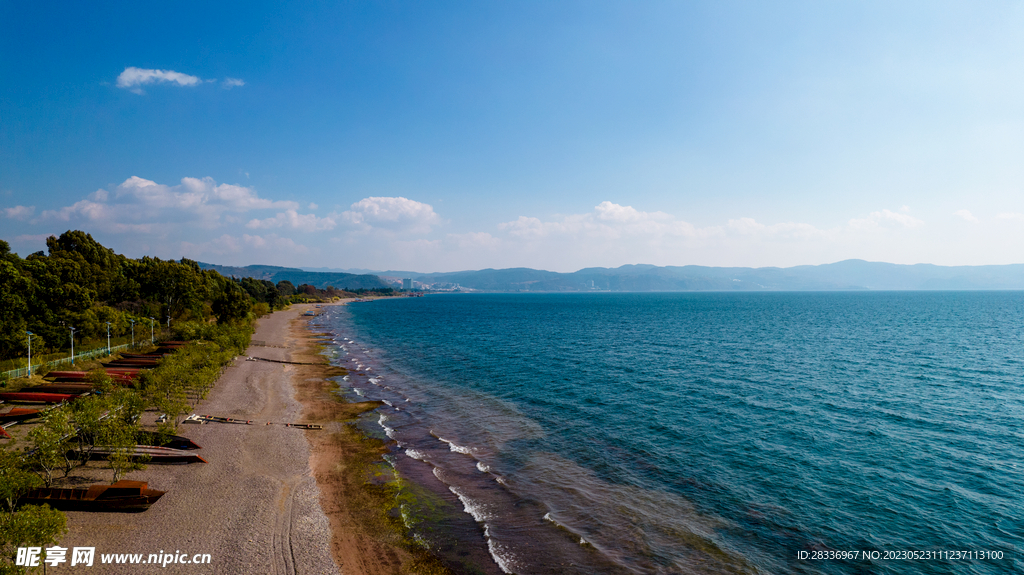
[(256, 506)]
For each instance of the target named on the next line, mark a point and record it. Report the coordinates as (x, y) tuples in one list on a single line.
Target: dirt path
[(255, 507)]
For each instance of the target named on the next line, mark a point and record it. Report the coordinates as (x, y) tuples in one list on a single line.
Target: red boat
[(60, 388), (37, 397), (19, 414), (84, 376), (122, 496)]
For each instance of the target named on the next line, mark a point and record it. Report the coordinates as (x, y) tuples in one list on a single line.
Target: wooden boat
[(19, 414), (37, 397), (84, 376), (153, 454), (68, 387), (172, 441), (122, 496)]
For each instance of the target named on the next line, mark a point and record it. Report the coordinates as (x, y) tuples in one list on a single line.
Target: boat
[(152, 454), (172, 441), (37, 397), (19, 414), (124, 495), (84, 375), (64, 387)]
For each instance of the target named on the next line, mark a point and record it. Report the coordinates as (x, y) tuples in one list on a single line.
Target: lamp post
[(108, 338), (133, 333), (29, 353), (152, 340), (72, 346)]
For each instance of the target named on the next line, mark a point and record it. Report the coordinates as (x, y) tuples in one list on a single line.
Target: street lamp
[(133, 333), (72, 346), (108, 338), (30, 334), (151, 338)]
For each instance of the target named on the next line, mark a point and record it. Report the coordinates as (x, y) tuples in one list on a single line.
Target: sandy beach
[(255, 507)]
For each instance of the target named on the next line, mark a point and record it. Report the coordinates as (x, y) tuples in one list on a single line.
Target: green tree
[(233, 304), (120, 439), (50, 443)]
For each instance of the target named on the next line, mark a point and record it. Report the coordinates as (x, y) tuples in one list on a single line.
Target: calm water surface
[(708, 432)]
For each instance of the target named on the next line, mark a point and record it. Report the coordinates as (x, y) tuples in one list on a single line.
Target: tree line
[(80, 283)]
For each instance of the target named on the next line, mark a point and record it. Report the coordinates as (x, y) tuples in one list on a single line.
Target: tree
[(285, 288), (31, 525), (14, 289), (233, 304), (50, 443), (120, 439)]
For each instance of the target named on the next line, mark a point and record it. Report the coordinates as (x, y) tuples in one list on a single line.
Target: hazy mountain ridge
[(844, 275), (298, 277)]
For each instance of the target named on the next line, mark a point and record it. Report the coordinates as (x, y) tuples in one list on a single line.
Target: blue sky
[(438, 136)]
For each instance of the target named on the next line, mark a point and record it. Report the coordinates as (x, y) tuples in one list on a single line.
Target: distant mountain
[(298, 276), (845, 275)]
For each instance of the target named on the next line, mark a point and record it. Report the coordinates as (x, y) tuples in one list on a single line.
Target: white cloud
[(141, 205), (395, 214), (133, 78), (294, 220), (966, 215), (19, 212), (608, 221), (886, 216), (275, 242), (229, 83), (788, 230)]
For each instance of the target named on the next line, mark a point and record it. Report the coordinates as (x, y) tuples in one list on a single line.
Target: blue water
[(709, 432)]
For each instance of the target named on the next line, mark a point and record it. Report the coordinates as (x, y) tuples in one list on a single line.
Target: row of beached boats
[(65, 386)]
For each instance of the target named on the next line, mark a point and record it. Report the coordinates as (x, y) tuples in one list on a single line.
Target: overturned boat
[(151, 454), (124, 495), (30, 397)]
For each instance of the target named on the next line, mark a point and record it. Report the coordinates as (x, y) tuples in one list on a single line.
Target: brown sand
[(255, 507)]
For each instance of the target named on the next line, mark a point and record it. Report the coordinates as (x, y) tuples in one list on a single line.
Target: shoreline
[(366, 538)]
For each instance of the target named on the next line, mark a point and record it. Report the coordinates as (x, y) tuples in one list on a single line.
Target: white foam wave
[(374, 381), (482, 467), (359, 392), (346, 378), (456, 447), (418, 455), (477, 510), (502, 556), (389, 404)]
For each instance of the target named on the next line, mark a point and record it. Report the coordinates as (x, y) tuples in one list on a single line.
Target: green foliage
[(29, 526), (50, 443), (119, 436), (85, 285), (285, 288), (14, 480)]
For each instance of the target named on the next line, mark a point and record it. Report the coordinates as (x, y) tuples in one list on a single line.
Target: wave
[(456, 447), (501, 554)]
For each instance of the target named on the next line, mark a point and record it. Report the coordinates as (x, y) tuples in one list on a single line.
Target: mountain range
[(844, 275)]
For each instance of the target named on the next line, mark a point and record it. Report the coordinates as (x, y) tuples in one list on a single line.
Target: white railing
[(98, 352)]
